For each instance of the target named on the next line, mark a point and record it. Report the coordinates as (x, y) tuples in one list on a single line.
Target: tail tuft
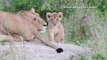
[(59, 50)]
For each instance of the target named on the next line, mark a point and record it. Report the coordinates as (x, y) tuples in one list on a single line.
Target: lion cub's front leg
[(51, 35), (59, 37)]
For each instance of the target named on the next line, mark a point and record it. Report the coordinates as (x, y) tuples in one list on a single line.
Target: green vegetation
[(86, 27)]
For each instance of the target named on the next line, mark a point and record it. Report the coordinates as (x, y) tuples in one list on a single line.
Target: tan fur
[(27, 24), (55, 28)]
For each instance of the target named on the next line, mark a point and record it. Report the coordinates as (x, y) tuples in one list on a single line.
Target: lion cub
[(55, 28)]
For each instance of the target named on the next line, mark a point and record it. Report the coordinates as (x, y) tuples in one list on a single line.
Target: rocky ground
[(31, 51)]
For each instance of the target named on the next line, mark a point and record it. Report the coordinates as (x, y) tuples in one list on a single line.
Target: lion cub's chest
[(55, 29)]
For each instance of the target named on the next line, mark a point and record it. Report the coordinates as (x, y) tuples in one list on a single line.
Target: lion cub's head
[(54, 17), (34, 19)]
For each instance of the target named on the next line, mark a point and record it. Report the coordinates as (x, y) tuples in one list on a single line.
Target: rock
[(31, 51)]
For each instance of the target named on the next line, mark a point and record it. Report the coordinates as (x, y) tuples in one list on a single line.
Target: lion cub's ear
[(60, 15), (48, 15), (32, 10)]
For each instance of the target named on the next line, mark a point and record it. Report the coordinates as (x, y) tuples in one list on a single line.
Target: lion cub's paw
[(59, 50)]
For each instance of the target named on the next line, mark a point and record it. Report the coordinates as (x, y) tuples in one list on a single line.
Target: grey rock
[(31, 51)]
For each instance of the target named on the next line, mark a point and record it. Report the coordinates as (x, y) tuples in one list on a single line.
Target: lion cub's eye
[(60, 16), (34, 19), (49, 16)]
